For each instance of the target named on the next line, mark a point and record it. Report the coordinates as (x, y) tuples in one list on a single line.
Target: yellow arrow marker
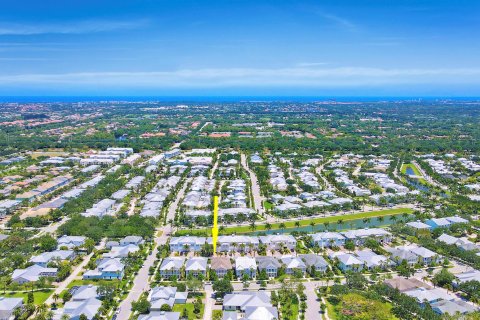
[(215, 225)]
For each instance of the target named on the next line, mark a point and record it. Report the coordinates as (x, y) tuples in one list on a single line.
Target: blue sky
[(229, 47)]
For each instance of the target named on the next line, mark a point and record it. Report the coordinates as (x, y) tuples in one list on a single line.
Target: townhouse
[(160, 296), (278, 241), (172, 267), (45, 258), (315, 262), (187, 244), (245, 265), (221, 265), (347, 262), (293, 264), (196, 266), (107, 269), (237, 243), (32, 274), (269, 264), (359, 236), (328, 239)]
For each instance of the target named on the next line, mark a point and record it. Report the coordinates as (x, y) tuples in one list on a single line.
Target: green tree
[(443, 278), (197, 305), (165, 307), (142, 305), (222, 287), (47, 243), (30, 298), (356, 280)]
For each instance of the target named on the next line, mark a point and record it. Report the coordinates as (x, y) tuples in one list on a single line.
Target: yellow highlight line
[(215, 224)]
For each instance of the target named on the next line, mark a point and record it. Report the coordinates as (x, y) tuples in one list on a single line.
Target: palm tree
[(253, 226), (380, 219), (312, 224), (49, 315), (41, 308), (326, 224), (393, 218), (268, 226), (55, 297), (17, 313), (242, 247), (282, 226), (251, 247), (297, 224), (221, 229)]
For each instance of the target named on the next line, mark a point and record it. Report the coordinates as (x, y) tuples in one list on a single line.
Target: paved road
[(63, 285), (356, 172), (173, 207), (319, 171), (51, 228), (257, 197), (141, 283), (209, 302), (215, 166), (204, 125), (313, 302), (131, 206)]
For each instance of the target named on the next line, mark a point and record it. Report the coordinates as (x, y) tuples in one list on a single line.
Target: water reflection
[(345, 225)]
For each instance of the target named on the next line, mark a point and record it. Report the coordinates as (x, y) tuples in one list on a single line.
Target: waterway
[(409, 171), (345, 225)]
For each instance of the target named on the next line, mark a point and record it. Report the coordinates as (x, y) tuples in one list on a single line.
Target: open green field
[(303, 223), (39, 297), (50, 153)]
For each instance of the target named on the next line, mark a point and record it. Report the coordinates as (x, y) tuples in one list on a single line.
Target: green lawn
[(331, 311), (318, 221), (79, 282), (303, 223), (189, 307), (217, 314), (295, 310), (267, 205), (39, 297)]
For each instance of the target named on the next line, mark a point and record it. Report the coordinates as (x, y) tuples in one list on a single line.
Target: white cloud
[(312, 64), (340, 21), (294, 76), (72, 27)]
